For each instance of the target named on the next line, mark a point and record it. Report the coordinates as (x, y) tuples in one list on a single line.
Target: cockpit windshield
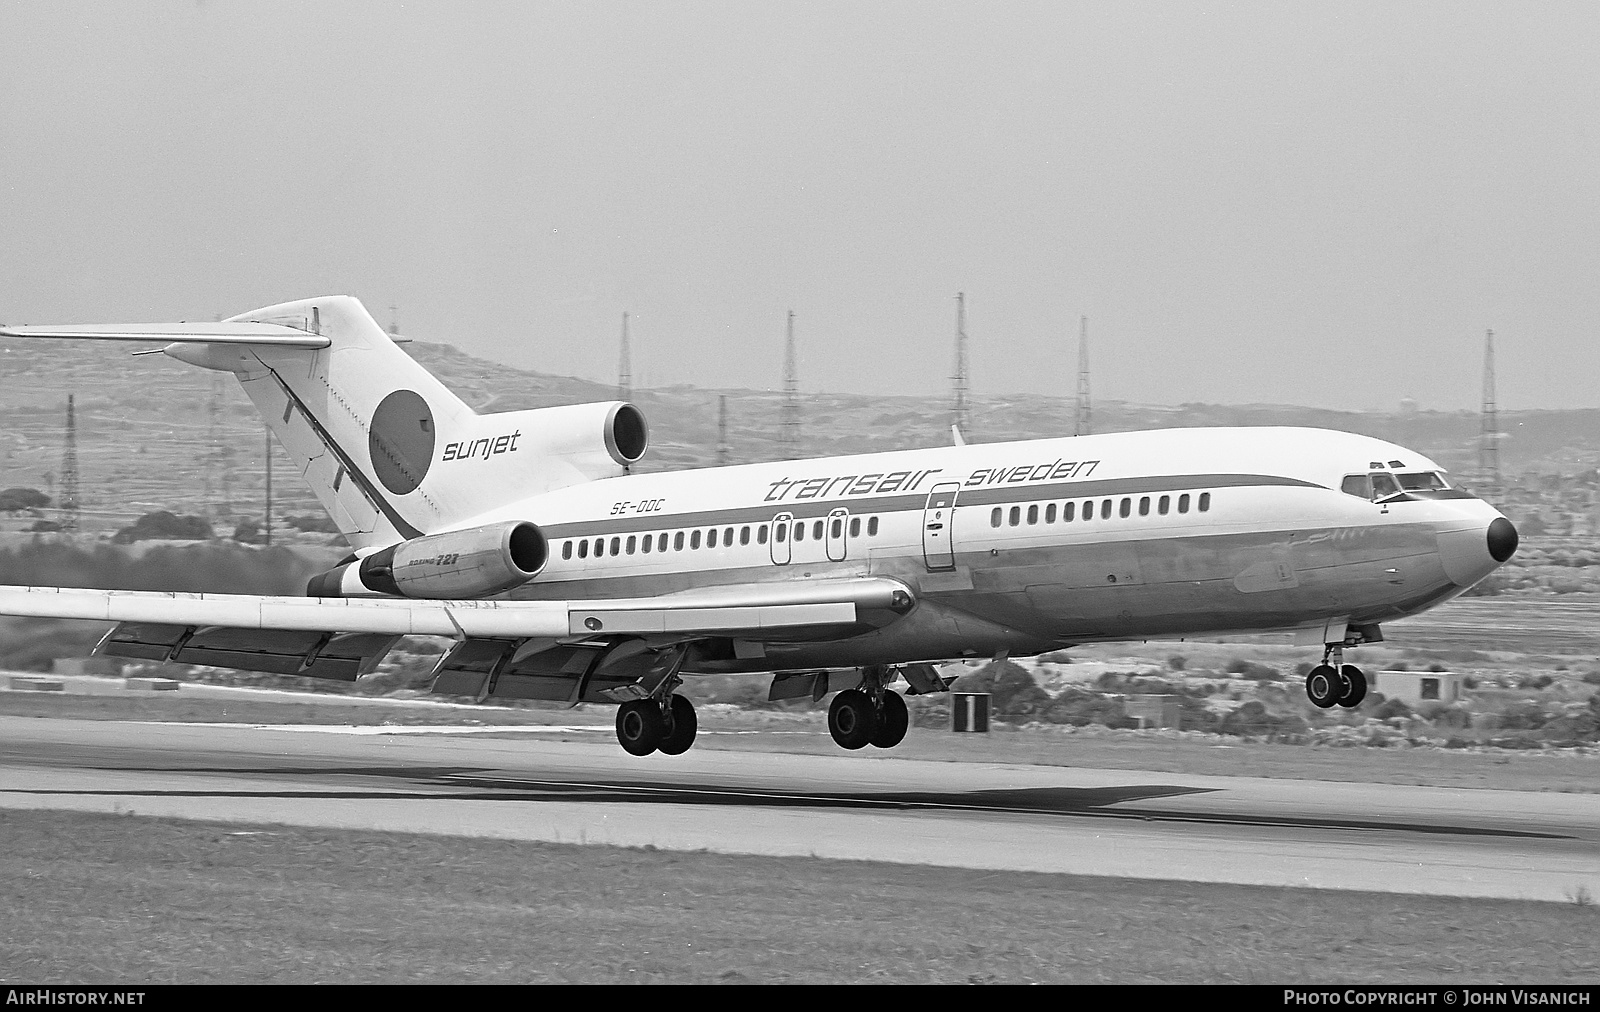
[(1377, 486), (1421, 481)]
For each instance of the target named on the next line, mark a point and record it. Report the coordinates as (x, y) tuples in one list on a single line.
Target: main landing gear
[(1336, 683), (666, 725), (869, 715)]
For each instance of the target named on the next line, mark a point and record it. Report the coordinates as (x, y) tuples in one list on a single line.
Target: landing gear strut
[(870, 714), (1336, 683), (665, 723)]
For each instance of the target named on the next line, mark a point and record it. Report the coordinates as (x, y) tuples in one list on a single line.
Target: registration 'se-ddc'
[(560, 575)]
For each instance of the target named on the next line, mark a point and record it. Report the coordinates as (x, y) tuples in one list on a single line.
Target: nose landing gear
[(1336, 683)]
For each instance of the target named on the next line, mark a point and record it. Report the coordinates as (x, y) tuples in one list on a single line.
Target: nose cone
[(1472, 553), (1502, 539)]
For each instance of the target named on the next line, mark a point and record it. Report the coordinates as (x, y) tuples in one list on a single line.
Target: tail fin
[(389, 451), (361, 418)]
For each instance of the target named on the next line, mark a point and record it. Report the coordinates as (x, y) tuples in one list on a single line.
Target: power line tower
[(960, 413), (68, 501), (789, 437), (624, 366), (1081, 420), (723, 450), (1489, 433)]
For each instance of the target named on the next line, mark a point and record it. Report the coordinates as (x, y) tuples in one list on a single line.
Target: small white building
[(1416, 687)]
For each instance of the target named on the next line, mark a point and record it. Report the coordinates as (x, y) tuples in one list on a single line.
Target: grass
[(127, 899)]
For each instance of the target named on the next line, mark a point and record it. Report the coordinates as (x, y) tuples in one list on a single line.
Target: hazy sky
[(1322, 204)]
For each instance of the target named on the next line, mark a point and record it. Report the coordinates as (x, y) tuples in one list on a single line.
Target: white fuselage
[(1029, 546)]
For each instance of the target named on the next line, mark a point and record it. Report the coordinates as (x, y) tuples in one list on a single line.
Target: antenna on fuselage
[(1081, 419)]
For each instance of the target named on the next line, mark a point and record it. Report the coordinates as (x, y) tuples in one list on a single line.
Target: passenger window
[(616, 546), (1358, 485), (1033, 514), (837, 527), (872, 526), (677, 542), (1205, 501), (816, 531), (855, 527), (783, 532), (1068, 512), (1016, 515), (632, 542), (1050, 513), (800, 531), (744, 535), (583, 549), (661, 543), (1105, 509), (1088, 509), (1183, 503), (1144, 506), (1164, 505), (566, 549), (694, 539), (599, 547), (711, 538), (648, 543), (1383, 486), (727, 537), (761, 535), (1127, 507)]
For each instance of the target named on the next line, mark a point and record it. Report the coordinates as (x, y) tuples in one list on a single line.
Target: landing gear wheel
[(1354, 684), (640, 727), (852, 719), (684, 726), (1323, 686), (892, 721)]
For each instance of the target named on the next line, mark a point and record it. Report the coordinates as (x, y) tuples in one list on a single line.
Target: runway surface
[(529, 784)]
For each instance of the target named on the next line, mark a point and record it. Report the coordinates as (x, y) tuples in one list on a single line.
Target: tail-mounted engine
[(459, 564)]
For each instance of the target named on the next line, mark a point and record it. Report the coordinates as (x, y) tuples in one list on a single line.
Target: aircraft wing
[(206, 333), (545, 649)]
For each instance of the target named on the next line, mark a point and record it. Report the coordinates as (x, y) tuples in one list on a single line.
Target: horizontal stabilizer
[(207, 333)]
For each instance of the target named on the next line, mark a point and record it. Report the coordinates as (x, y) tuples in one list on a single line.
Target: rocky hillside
[(156, 435)]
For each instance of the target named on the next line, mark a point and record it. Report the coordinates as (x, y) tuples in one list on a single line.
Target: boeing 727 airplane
[(560, 575)]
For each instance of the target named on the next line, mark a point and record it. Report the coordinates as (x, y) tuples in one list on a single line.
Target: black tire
[(852, 719), (1323, 686), (640, 727), (1354, 683), (684, 726), (893, 720)]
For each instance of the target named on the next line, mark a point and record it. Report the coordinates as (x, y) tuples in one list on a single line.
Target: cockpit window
[(1383, 485), (1421, 481), (1357, 485)]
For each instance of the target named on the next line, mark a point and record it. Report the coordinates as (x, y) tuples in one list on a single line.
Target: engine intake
[(478, 562)]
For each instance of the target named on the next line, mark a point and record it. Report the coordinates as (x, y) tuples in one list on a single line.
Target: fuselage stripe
[(903, 503)]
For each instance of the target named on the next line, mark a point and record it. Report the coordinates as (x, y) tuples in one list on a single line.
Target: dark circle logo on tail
[(401, 441)]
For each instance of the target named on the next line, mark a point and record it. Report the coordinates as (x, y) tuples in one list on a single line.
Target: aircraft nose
[(1472, 553), (1502, 539)]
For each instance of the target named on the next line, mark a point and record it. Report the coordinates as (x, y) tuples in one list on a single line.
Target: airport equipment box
[(969, 711)]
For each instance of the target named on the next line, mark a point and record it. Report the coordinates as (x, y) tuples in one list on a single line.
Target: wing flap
[(200, 333), (279, 651)]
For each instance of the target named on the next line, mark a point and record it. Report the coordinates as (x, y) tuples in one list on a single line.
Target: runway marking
[(377, 729), (1060, 802)]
